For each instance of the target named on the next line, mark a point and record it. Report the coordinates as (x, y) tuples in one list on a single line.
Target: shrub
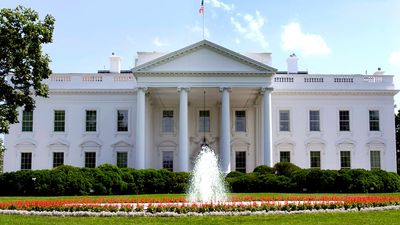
[(285, 168), (264, 170)]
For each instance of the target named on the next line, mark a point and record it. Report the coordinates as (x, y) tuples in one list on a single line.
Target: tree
[(2, 149), (23, 65), (397, 122)]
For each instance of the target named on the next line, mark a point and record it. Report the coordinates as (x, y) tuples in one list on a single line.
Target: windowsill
[(344, 133), (87, 133), (168, 134), (284, 133), (315, 133), (375, 133)]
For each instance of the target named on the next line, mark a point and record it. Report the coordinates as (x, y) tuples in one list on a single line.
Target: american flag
[(201, 10)]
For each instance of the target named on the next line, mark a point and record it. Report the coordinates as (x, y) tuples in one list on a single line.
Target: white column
[(225, 132), (267, 128), (183, 130), (140, 128)]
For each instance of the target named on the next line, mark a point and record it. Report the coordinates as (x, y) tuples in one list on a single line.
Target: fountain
[(207, 183)]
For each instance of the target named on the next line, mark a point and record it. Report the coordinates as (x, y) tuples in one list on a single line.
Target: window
[(314, 120), (91, 120), (284, 156), (345, 160), (168, 160), (240, 121), (122, 159), (240, 159), (373, 120), (168, 121), (344, 120), (58, 159), (26, 160), (122, 123), (315, 159), (284, 120), (90, 159), (59, 121), (27, 121), (204, 121), (375, 157)]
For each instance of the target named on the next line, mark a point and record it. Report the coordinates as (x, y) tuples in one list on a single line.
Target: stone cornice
[(90, 91), (335, 92), (200, 74)]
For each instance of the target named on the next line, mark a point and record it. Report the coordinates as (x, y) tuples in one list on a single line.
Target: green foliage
[(285, 168), (264, 170), (103, 180), (290, 178), (23, 65), (2, 149)]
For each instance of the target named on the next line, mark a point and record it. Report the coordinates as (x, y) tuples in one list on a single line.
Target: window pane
[(91, 120), (122, 159), (374, 120), (345, 160), (314, 120), (168, 121), (168, 160), (26, 161), (375, 158), (284, 120), (284, 156), (315, 159), (240, 159), (90, 159), (58, 159), (122, 120), (27, 121), (204, 121), (59, 120), (240, 121), (344, 120)]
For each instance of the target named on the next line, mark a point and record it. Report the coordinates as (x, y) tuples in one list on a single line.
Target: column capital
[(221, 89), (142, 88), (265, 89), (187, 89)]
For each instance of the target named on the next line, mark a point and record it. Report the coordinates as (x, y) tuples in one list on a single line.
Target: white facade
[(254, 115)]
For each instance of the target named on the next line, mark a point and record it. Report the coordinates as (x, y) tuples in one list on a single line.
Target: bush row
[(108, 179), (286, 177), (103, 180)]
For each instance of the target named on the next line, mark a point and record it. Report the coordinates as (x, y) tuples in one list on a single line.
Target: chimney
[(379, 72), (292, 64), (115, 63)]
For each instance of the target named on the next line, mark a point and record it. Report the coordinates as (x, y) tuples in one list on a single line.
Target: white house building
[(155, 116)]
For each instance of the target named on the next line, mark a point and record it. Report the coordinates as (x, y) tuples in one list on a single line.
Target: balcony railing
[(330, 82), (91, 81)]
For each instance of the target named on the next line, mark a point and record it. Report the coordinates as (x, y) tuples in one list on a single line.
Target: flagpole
[(203, 26)]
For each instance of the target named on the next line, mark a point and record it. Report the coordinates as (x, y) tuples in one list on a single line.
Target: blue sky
[(341, 36)]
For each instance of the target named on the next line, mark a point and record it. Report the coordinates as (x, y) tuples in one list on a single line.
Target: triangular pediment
[(204, 56)]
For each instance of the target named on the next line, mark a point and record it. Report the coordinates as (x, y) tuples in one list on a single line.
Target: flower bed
[(178, 206)]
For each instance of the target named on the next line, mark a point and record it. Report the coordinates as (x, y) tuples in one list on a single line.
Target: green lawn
[(353, 218)]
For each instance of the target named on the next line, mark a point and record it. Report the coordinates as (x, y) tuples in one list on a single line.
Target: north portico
[(175, 83)]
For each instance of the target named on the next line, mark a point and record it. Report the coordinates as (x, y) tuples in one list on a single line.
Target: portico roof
[(204, 57)]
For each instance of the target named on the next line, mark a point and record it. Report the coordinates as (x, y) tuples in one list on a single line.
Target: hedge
[(111, 180), (103, 180)]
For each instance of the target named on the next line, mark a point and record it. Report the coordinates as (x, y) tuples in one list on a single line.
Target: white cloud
[(220, 4), (395, 58), (199, 30), (157, 42), (293, 38), (252, 27)]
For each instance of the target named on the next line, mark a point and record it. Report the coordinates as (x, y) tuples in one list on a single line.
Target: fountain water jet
[(207, 183)]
